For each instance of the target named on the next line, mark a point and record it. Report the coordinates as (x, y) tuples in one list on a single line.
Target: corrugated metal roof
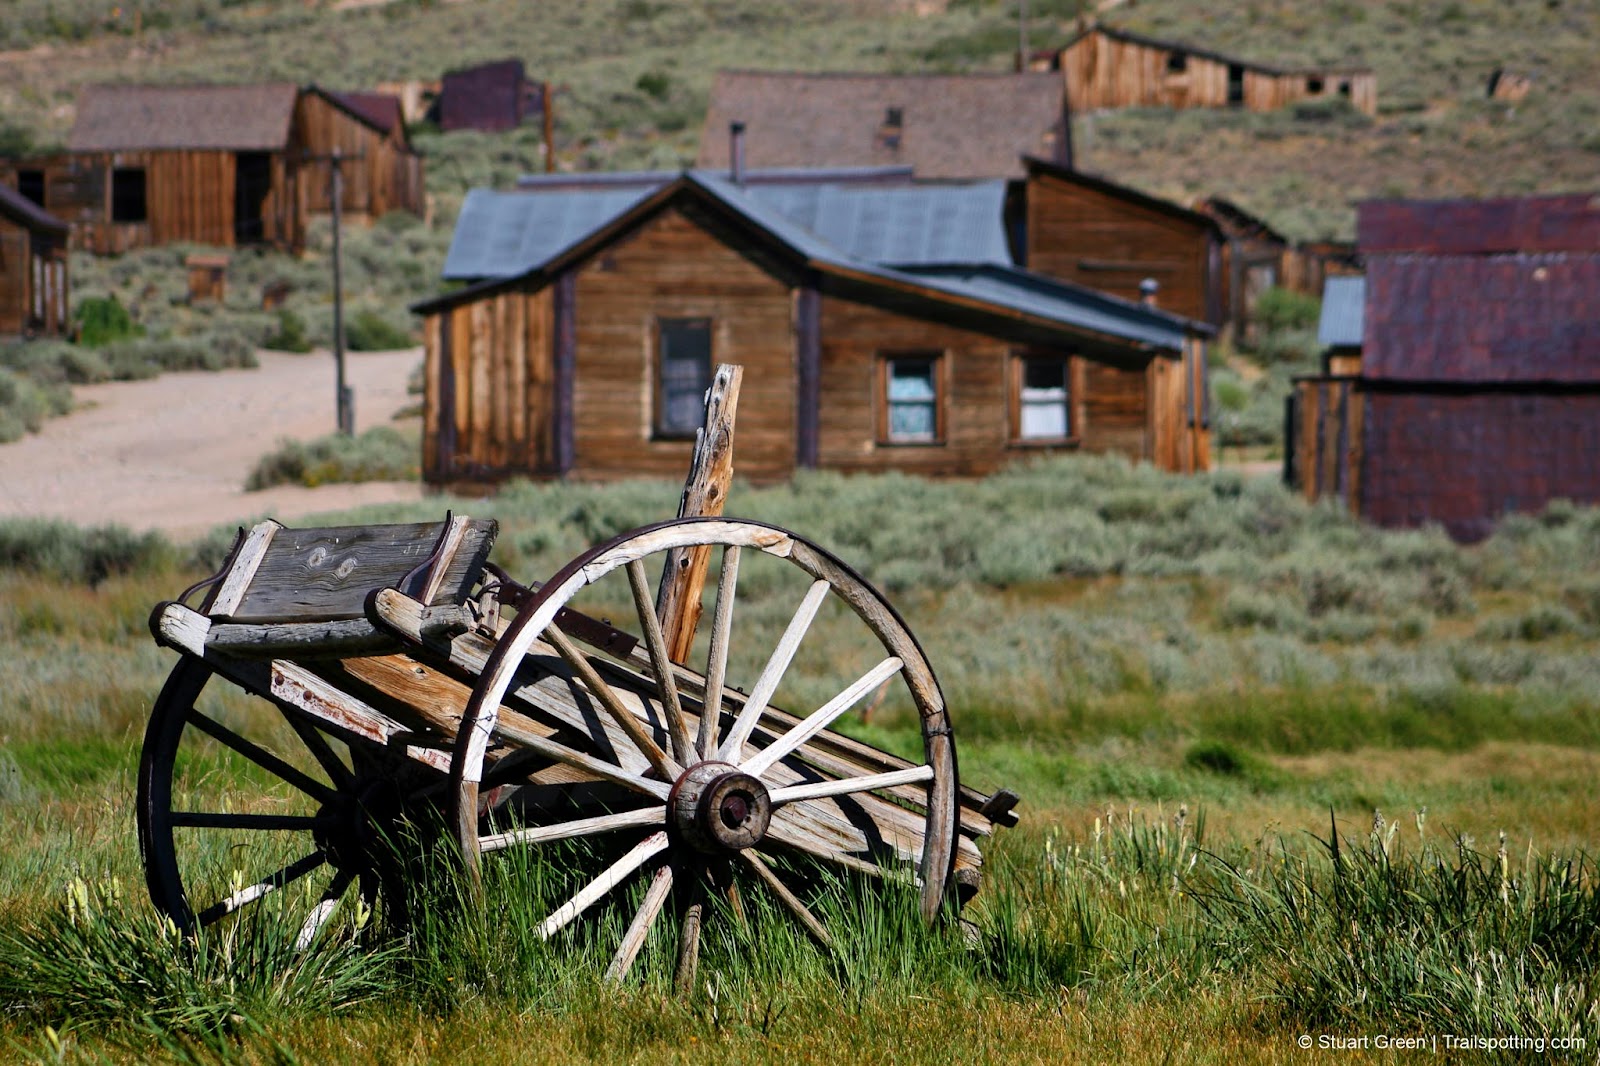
[(907, 225), (889, 175), (1344, 303), (1569, 223), (503, 234), (128, 118), (1480, 318)]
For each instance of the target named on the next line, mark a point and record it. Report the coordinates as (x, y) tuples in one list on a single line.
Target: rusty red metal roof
[(1474, 319), (1568, 223), (381, 111)]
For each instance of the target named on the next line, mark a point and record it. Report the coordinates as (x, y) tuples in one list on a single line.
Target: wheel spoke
[(323, 910), (249, 894), (260, 756), (717, 658), (258, 822), (846, 785), (609, 878), (801, 912), (644, 605), (599, 767), (773, 672), (689, 934), (604, 823), (629, 722), (822, 717), (633, 939), (314, 741)]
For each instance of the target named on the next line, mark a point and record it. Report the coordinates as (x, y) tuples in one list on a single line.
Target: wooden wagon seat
[(302, 592)]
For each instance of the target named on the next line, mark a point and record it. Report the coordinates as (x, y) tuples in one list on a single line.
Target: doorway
[(252, 184)]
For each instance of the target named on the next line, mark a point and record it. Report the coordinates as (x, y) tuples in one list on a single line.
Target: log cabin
[(220, 165), (1471, 387), (879, 327), (33, 268), (946, 127), (1104, 68), (1090, 231)]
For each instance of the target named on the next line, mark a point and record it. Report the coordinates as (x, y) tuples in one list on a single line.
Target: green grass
[(382, 453), (1181, 676)]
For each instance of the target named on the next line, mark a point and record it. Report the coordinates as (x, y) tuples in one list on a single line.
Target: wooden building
[(493, 97), (1112, 68), (379, 170), (944, 126), (33, 268), (1110, 237), (222, 165), (1471, 388), (152, 165), (584, 352)]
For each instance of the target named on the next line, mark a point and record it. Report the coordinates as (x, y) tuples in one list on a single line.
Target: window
[(1041, 398), (683, 374), (894, 117), (30, 183), (1314, 86), (127, 195), (1177, 62), (1235, 85), (912, 411)]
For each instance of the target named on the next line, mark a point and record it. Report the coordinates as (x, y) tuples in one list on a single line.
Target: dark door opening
[(30, 183), (252, 183), (1235, 85)]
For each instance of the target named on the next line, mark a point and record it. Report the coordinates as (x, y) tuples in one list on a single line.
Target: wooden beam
[(704, 494)]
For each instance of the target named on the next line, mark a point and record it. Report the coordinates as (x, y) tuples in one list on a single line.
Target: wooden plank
[(243, 571)]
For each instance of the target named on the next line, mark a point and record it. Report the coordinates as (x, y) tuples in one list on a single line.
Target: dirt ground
[(172, 453)]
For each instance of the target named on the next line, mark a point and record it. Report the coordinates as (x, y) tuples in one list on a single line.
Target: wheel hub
[(718, 808)]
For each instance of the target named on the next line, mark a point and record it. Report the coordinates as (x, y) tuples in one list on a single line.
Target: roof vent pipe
[(1147, 291), (736, 152)]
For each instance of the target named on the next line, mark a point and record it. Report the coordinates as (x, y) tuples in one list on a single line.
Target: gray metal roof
[(1344, 303), (503, 234), (906, 225)]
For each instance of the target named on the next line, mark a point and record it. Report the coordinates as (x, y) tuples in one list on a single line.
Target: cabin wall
[(1466, 459), (672, 268), (488, 386), (33, 281), (15, 272), (1104, 72), (1326, 439), (379, 175), (1083, 235)]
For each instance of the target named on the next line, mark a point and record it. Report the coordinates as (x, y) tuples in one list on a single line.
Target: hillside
[(633, 77)]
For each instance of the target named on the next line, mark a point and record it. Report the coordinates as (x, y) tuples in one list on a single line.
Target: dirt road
[(172, 453)]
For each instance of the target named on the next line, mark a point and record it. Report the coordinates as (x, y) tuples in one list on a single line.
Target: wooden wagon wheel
[(732, 788), (204, 862)]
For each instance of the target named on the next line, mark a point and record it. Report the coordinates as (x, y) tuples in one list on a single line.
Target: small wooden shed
[(1105, 67), (33, 268), (1471, 388), (1094, 232), (380, 172), (493, 97), (584, 350)]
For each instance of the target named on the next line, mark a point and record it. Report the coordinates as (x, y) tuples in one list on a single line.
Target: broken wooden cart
[(398, 676)]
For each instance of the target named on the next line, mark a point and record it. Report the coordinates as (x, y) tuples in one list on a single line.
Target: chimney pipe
[(1147, 291), (736, 152)]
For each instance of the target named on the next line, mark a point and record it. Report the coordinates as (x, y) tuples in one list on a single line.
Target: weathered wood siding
[(1107, 242), (33, 281), (673, 268), (16, 269), (488, 386), (1102, 71), (379, 174), (1326, 439), (189, 197)]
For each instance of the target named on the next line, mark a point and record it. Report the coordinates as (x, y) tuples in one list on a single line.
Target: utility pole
[(344, 398)]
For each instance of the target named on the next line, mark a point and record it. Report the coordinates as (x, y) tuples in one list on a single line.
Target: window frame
[(938, 364), (1015, 379), (659, 427)]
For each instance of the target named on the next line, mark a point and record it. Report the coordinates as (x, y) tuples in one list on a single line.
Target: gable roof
[(952, 126), (1569, 223), (1122, 192), (1237, 222), (381, 111), (28, 214), (1144, 39), (506, 234), (122, 118), (995, 291), (1344, 304)]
